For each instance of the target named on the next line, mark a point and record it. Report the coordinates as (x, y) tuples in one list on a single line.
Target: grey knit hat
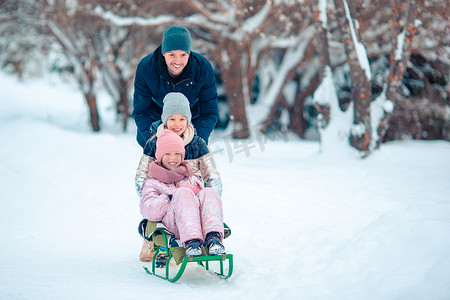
[(176, 37), (175, 103)]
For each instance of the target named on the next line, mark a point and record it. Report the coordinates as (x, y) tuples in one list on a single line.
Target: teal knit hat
[(176, 37)]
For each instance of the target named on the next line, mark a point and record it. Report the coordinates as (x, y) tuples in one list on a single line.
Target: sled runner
[(165, 244)]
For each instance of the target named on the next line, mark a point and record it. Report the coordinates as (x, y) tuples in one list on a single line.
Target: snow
[(334, 137), (127, 21), (323, 12), (306, 225), (400, 45), (253, 23), (378, 107)]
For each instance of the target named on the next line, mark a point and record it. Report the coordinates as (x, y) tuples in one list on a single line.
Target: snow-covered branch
[(223, 17), (253, 23), (127, 21), (291, 59), (199, 20), (323, 12), (378, 109)]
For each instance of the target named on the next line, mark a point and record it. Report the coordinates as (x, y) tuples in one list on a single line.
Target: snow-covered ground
[(305, 225)]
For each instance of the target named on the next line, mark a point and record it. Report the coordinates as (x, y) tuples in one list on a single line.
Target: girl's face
[(176, 61), (171, 160), (177, 123)]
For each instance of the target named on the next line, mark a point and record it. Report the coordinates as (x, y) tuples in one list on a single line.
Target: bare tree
[(316, 59), (280, 48), (243, 37), (118, 51), (371, 116), (97, 50), (74, 30), (24, 43), (348, 14), (403, 27), (406, 42)]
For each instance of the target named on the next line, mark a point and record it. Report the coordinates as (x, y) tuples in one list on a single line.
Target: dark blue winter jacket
[(195, 149), (152, 83)]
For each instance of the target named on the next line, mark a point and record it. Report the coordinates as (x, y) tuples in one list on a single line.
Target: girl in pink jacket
[(175, 196)]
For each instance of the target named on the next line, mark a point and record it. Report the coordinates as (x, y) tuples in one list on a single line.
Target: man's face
[(176, 61)]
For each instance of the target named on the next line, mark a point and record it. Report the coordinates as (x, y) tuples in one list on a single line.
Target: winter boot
[(146, 254), (161, 260), (214, 243), (193, 248)]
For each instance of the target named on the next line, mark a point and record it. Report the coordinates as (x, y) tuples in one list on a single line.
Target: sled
[(164, 243)]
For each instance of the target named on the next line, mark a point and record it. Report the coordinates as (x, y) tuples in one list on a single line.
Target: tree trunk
[(361, 92), (93, 111), (232, 77), (275, 112), (122, 105), (397, 66), (298, 123)]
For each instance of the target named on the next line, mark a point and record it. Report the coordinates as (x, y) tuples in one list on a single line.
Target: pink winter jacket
[(155, 201)]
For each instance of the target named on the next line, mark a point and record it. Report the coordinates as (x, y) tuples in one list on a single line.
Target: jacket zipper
[(174, 85)]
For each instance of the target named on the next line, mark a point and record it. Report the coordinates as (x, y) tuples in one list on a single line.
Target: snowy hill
[(305, 225)]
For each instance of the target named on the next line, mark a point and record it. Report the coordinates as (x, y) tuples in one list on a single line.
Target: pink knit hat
[(167, 142)]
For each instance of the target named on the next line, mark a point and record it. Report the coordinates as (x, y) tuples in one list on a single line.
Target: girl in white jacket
[(176, 116)]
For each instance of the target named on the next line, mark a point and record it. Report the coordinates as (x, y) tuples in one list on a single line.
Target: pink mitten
[(194, 187)]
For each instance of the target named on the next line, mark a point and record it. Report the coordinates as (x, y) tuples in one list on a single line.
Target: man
[(173, 67)]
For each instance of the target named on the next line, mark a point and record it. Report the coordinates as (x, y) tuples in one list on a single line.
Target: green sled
[(161, 244)]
